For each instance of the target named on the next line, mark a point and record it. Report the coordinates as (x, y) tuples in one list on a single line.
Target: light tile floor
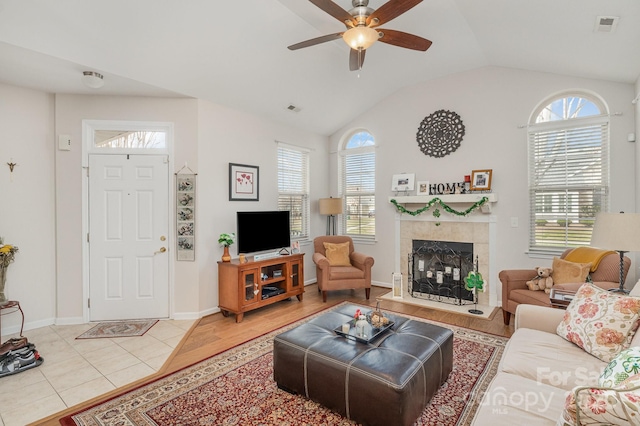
[(74, 371)]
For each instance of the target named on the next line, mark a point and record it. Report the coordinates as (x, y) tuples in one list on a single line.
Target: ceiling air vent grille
[(606, 24)]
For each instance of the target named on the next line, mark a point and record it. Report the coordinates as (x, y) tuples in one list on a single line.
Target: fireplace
[(436, 270), (476, 229)]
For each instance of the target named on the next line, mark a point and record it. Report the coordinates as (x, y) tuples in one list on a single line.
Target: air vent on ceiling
[(606, 24), (293, 108)]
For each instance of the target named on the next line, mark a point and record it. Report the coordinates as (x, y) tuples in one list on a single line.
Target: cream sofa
[(537, 369)]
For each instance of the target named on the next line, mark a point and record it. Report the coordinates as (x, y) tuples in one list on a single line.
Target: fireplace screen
[(437, 270)]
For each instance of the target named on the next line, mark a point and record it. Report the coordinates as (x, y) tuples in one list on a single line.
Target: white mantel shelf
[(448, 198)]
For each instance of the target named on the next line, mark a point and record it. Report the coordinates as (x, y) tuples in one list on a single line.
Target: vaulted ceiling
[(235, 52)]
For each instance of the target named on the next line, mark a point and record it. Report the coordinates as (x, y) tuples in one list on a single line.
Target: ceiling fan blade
[(356, 59), (334, 10), (390, 10), (406, 40), (314, 41)]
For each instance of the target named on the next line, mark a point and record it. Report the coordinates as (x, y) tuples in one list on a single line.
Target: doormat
[(129, 328)]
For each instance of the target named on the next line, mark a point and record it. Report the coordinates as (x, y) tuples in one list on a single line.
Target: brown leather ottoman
[(388, 381)]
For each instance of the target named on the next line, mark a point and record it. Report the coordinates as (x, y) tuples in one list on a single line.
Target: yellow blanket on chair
[(586, 255)]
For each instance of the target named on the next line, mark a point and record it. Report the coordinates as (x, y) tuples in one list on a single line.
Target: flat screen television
[(262, 230)]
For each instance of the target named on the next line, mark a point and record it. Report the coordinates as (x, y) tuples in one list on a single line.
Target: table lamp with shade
[(619, 232), (330, 207)]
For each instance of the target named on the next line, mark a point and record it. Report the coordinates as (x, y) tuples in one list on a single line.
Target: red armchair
[(515, 291), (357, 275)]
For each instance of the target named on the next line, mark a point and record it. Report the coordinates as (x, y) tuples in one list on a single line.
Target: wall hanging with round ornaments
[(440, 133)]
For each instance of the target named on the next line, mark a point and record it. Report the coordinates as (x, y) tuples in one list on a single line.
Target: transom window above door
[(143, 139)]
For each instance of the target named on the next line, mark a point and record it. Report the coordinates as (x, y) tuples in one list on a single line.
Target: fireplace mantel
[(450, 199), (446, 198)]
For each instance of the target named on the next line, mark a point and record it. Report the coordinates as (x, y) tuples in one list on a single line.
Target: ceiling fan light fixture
[(360, 38), (92, 79)]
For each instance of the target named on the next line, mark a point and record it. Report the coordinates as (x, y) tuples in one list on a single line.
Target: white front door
[(128, 237)]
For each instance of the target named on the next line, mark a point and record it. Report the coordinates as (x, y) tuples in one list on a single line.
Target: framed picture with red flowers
[(243, 182)]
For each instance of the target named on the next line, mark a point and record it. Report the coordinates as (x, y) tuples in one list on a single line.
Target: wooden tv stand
[(243, 287)]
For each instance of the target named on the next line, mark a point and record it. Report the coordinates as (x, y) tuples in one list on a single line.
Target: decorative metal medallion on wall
[(440, 133)]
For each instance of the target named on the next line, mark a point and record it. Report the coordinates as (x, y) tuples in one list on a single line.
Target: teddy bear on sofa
[(542, 281)]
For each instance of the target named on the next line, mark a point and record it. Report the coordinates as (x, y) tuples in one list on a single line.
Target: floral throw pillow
[(600, 322), (623, 372), (601, 406)]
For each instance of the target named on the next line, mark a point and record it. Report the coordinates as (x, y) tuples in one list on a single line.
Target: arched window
[(358, 185), (568, 170)]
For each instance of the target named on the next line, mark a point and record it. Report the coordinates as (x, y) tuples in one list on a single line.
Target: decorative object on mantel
[(481, 180), (440, 133), (403, 182), (447, 188), (436, 212), (186, 213), (423, 188), (7, 254), (474, 282), (226, 240)]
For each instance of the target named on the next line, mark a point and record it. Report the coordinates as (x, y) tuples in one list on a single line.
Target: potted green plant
[(226, 240)]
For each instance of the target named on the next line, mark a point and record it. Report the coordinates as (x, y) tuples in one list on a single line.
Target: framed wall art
[(480, 180), (423, 187), (185, 214), (243, 182), (403, 182)]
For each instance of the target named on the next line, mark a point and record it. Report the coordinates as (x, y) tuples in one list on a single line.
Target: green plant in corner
[(227, 239)]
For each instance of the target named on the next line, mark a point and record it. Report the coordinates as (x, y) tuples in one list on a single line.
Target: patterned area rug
[(118, 329), (236, 387)]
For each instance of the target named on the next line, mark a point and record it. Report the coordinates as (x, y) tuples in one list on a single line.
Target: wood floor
[(215, 333)]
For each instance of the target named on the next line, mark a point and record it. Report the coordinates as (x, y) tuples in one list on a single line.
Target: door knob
[(162, 250)]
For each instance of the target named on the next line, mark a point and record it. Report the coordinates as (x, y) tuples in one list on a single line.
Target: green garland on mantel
[(436, 212)]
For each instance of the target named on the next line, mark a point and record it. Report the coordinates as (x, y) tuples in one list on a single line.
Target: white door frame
[(88, 129)]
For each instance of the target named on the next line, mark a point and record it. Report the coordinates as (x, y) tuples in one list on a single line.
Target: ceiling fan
[(362, 28)]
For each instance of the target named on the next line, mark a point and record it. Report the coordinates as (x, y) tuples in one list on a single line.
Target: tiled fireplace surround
[(477, 228)]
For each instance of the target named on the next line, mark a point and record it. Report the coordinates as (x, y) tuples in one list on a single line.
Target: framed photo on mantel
[(243, 182), (403, 182), (481, 180)]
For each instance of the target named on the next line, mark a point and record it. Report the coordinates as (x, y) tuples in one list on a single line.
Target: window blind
[(358, 191), (568, 181), (293, 189)]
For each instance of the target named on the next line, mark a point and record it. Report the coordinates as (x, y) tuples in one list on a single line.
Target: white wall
[(42, 207), (27, 213), (207, 137), (70, 110), (493, 103), (229, 136)]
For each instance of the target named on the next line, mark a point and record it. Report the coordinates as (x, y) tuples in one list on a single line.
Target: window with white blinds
[(358, 185), (568, 172), (293, 188)]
